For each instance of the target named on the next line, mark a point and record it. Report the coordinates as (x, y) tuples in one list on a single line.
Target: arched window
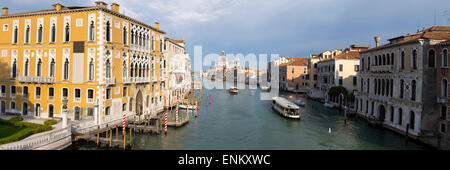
[(384, 59), (412, 120), (14, 69), (53, 32), (376, 86), (368, 63), (392, 113), (124, 69), (91, 69), (108, 69), (125, 35), (376, 60), (392, 87), (388, 59), (444, 88), (383, 84), (139, 39), (66, 69), (131, 70), (402, 87), (387, 88), (392, 59), (132, 37), (413, 90), (431, 58), (67, 36), (52, 68), (16, 34), (91, 31), (27, 35), (40, 34), (39, 68), (402, 60), (444, 58), (400, 116), (108, 31), (26, 68), (414, 59)]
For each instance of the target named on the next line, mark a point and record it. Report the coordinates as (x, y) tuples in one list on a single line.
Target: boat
[(265, 88), (328, 105), (299, 102), (233, 90), (191, 107), (286, 108)]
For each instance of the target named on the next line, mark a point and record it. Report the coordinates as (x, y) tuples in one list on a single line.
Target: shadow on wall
[(14, 97)]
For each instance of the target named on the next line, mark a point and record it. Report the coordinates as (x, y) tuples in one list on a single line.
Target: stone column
[(64, 120)]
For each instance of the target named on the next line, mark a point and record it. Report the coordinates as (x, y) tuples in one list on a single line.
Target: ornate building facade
[(103, 62)]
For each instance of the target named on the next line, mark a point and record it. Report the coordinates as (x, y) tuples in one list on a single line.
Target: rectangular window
[(25, 92), (90, 111), (124, 92), (108, 93), (107, 110), (444, 112), (65, 93), (13, 91), (341, 67), (124, 107), (38, 92), (355, 79), (340, 80), (443, 128), (13, 105), (77, 95), (356, 68), (51, 93)]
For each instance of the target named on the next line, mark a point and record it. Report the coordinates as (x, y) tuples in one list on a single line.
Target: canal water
[(243, 121)]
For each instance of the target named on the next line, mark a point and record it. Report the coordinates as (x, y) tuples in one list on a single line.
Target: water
[(244, 122)]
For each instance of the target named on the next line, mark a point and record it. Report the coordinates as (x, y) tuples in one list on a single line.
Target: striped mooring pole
[(123, 124), (195, 108), (165, 123), (176, 113)]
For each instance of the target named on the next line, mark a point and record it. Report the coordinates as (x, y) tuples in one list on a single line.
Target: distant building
[(293, 75), (443, 77), (312, 65)]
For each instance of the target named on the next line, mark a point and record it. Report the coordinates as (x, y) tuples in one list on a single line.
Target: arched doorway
[(381, 113), (38, 110), (50, 110), (24, 109), (139, 106)]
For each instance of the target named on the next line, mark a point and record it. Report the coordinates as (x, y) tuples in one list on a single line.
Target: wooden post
[(130, 135), (98, 134), (117, 133), (124, 139), (407, 133), (107, 129), (110, 139)]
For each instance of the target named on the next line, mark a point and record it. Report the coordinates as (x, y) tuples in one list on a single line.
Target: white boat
[(233, 90), (328, 105), (191, 107), (265, 88), (299, 102), (286, 108)]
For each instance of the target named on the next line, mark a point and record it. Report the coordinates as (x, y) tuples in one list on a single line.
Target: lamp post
[(65, 111)]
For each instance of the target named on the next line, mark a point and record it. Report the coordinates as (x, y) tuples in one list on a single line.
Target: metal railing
[(93, 128), (38, 140), (109, 81)]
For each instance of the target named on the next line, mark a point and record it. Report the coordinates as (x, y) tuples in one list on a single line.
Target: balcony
[(127, 80), (442, 100), (34, 79), (382, 69), (2, 94), (90, 100), (154, 79), (78, 100), (25, 96), (110, 81)]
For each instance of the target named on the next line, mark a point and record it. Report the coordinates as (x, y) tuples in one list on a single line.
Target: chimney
[(58, 7), (157, 25), (100, 4), (377, 41), (5, 11), (115, 7)]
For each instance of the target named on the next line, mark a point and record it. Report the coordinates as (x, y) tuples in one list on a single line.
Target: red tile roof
[(350, 55), (297, 62)]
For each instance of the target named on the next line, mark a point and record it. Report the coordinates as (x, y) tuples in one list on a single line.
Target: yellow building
[(96, 57)]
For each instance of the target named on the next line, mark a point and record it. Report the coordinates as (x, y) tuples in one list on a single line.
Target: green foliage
[(350, 97), (23, 130), (50, 122), (16, 119), (336, 91)]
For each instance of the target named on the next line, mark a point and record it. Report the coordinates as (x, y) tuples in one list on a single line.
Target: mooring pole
[(165, 124), (407, 133), (124, 139), (98, 134), (117, 133), (130, 135), (110, 138)]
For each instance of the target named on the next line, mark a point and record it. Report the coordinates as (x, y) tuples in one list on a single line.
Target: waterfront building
[(340, 70), (178, 74), (276, 62), (397, 80), (293, 75), (313, 90), (443, 77), (103, 62)]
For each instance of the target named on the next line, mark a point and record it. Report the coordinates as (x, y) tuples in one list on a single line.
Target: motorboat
[(327, 104), (286, 108), (233, 90), (299, 102), (265, 88), (190, 107)]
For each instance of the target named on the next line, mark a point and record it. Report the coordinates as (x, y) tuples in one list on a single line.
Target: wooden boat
[(286, 108), (233, 90), (299, 102)]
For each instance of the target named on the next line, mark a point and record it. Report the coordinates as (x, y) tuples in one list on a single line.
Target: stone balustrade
[(45, 140), (382, 69), (110, 81), (35, 79)]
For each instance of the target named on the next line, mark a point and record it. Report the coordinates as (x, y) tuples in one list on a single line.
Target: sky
[(292, 28)]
